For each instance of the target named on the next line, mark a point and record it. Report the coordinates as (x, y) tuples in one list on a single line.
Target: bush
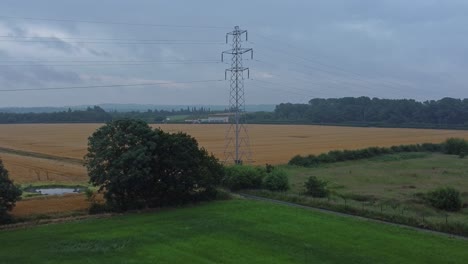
[(243, 177), (447, 199), (276, 180), (431, 147), (316, 187), (455, 146)]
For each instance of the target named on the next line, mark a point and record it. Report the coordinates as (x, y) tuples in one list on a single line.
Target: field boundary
[(40, 155), (41, 222), (321, 210)]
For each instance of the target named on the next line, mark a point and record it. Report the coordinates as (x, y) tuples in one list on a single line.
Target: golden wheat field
[(274, 144), (25, 169), (269, 143)]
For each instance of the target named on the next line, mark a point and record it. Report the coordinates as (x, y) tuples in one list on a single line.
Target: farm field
[(274, 144), (51, 205), (31, 170), (235, 231), (392, 184)]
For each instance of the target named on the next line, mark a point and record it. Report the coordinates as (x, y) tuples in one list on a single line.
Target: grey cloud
[(38, 75), (397, 48)]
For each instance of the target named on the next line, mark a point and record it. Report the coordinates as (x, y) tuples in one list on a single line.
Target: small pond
[(54, 190)]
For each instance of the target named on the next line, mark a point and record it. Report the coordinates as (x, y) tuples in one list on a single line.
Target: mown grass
[(235, 231)]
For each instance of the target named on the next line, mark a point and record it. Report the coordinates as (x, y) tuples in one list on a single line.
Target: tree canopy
[(374, 111), (9, 194), (136, 166)]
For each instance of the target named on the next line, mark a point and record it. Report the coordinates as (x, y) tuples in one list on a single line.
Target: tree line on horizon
[(97, 115), (445, 112), (354, 111)]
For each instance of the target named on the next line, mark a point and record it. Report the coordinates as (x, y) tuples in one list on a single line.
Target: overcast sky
[(303, 49)]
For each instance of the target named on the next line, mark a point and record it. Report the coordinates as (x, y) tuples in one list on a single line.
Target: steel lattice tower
[(237, 145)]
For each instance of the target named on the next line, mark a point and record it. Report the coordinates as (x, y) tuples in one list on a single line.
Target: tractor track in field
[(40, 155), (259, 198)]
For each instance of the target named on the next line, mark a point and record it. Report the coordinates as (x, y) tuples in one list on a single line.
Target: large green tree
[(9, 194), (136, 166)]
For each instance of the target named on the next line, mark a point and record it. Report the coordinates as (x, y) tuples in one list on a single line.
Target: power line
[(306, 80), (336, 69), (107, 86), (112, 22), (94, 39), (159, 42), (109, 64), (107, 61), (363, 83)]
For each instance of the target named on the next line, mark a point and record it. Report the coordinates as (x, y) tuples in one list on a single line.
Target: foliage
[(243, 177), (135, 166), (183, 171), (451, 146), (446, 112), (90, 115), (9, 194), (447, 199), (276, 180), (97, 115), (455, 146), (316, 187), (269, 168)]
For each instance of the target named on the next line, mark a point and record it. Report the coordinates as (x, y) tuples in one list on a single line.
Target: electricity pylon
[(237, 145)]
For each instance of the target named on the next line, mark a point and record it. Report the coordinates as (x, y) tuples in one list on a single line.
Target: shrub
[(455, 146), (447, 199), (298, 160), (316, 187), (452, 146), (269, 168), (276, 180), (431, 147), (243, 177)]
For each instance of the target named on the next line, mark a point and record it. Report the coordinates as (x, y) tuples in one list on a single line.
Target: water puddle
[(55, 191)]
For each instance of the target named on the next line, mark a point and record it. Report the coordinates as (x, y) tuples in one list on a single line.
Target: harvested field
[(270, 143), (31, 170), (50, 205)]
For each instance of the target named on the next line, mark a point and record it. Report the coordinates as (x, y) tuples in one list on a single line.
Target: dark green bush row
[(450, 146), (250, 177)]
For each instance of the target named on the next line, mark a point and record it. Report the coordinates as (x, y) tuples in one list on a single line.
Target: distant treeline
[(90, 115), (348, 111), (364, 111), (96, 115), (452, 146)]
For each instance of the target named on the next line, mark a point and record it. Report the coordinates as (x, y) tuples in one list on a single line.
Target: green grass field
[(235, 231), (396, 179)]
